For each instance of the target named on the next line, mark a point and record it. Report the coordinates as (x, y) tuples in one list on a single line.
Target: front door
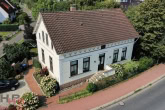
[(101, 61)]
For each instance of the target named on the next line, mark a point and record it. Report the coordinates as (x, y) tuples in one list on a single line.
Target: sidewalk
[(112, 93), (30, 80)]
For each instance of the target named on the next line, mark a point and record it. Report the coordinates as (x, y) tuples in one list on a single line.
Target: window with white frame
[(51, 63), (39, 36), (43, 56), (74, 67), (43, 37), (86, 64), (115, 55), (124, 53), (47, 41)]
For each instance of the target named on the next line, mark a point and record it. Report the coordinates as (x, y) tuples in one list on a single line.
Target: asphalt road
[(13, 40), (152, 98)]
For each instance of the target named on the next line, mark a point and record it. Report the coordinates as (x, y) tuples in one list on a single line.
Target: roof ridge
[(97, 10)]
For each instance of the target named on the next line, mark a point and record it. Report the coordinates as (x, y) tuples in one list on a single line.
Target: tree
[(23, 18), (149, 20), (16, 52), (5, 68)]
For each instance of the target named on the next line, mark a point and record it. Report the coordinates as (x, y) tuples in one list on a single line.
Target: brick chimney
[(73, 7)]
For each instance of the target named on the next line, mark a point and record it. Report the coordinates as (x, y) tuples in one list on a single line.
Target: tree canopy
[(16, 52), (149, 20), (5, 68)]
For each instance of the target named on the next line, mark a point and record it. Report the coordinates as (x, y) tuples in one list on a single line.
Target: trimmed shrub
[(106, 82), (28, 101), (18, 77), (91, 87), (48, 85), (36, 64), (44, 72), (119, 70), (145, 63), (131, 67), (9, 27)]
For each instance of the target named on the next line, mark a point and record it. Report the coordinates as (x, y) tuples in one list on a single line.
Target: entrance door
[(101, 61)]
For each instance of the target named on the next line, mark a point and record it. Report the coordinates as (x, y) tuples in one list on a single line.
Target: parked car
[(8, 84)]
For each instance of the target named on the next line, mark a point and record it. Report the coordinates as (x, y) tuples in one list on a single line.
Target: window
[(124, 52), (51, 64), (74, 68), (115, 55), (52, 45), (86, 64), (103, 47), (43, 37), (43, 56), (47, 42), (39, 36)]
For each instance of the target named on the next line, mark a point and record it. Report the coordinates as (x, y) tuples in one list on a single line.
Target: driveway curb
[(129, 94)]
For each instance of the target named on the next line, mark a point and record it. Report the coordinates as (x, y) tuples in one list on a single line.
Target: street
[(153, 98)]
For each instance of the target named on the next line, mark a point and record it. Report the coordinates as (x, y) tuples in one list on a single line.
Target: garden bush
[(91, 87), (9, 27), (44, 72), (11, 107), (18, 77), (145, 63), (28, 101), (106, 82), (36, 63), (119, 70), (131, 67), (49, 86)]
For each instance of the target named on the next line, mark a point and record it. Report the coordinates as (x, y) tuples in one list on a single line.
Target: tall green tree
[(16, 52), (149, 20), (5, 68)]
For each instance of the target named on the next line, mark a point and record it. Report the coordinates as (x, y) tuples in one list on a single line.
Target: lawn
[(4, 34), (74, 96)]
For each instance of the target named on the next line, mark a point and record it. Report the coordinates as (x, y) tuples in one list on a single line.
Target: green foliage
[(1, 39), (23, 18), (119, 70), (36, 64), (30, 101), (131, 67), (7, 21), (106, 82), (145, 63), (5, 68), (91, 87), (16, 52), (8, 27), (74, 96), (18, 77), (48, 85), (149, 20)]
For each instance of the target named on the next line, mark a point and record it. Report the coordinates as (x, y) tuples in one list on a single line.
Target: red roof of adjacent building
[(4, 5)]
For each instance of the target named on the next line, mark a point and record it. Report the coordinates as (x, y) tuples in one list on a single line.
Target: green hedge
[(9, 27)]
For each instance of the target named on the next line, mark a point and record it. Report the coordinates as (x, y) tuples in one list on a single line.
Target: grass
[(5, 34), (34, 52), (75, 96), (21, 41)]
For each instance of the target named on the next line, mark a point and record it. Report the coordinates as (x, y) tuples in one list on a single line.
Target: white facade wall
[(3, 15), (61, 63), (94, 60), (48, 52)]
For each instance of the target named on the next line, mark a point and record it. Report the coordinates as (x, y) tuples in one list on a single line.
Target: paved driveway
[(23, 88)]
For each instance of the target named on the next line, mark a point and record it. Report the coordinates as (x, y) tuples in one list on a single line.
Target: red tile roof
[(6, 6), (75, 30)]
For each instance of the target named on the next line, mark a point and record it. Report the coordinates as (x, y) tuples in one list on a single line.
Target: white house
[(7, 10), (74, 45)]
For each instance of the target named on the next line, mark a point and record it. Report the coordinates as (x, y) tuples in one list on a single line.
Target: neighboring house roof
[(7, 6), (75, 30)]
